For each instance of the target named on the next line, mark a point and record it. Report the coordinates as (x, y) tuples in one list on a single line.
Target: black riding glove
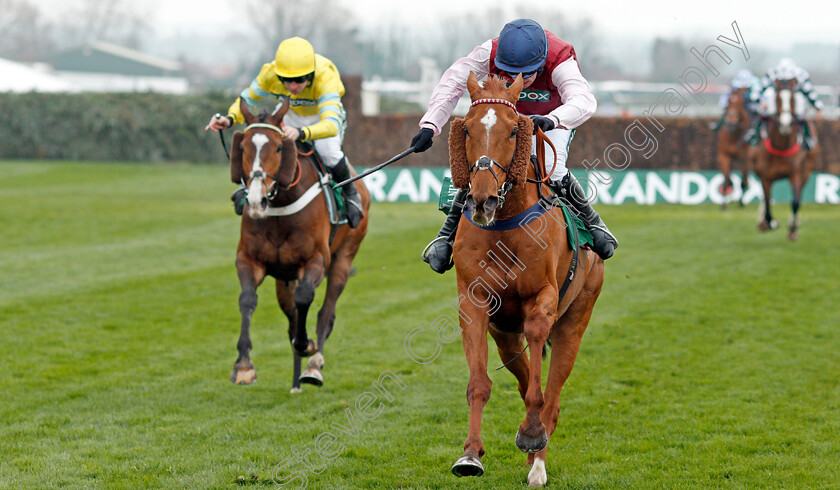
[(422, 141), (544, 123)]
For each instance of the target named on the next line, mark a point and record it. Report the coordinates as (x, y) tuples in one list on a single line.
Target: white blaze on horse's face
[(489, 120), (255, 188), (785, 113)]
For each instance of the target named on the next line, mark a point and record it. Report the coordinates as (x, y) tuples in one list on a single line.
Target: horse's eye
[(466, 131), (279, 148), (513, 133)]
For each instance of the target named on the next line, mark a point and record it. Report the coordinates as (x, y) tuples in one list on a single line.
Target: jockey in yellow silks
[(314, 87)]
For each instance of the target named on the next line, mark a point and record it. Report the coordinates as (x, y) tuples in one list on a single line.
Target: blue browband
[(521, 219)]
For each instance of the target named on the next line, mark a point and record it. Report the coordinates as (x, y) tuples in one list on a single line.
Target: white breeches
[(328, 148), (560, 138)]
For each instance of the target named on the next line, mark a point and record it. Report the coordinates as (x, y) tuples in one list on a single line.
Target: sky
[(642, 18), (202, 26)]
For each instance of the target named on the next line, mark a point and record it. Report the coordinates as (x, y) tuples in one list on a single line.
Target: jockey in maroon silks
[(555, 95)]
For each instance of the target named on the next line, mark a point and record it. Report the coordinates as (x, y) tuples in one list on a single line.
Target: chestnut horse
[(285, 234), (731, 147), (511, 281), (781, 155)]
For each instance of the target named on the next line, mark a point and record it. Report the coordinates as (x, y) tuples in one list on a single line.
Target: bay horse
[(780, 155), (510, 280), (285, 233), (731, 147)]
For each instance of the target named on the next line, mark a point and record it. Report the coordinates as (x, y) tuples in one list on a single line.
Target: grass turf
[(711, 359)]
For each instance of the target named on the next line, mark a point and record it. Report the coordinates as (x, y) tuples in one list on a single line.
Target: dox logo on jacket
[(529, 95)]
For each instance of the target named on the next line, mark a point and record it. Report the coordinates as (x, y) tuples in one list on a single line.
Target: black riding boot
[(438, 253), (604, 242), (239, 198), (353, 202), (753, 134), (809, 139)]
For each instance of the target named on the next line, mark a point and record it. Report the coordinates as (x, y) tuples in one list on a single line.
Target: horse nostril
[(264, 202), (490, 204)]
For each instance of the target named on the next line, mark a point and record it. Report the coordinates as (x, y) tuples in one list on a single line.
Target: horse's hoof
[(531, 444), (467, 466), (793, 236), (537, 476), (243, 376), (313, 377), (294, 390), (311, 348)]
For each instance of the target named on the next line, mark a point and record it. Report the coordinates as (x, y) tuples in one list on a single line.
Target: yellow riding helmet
[(295, 58)]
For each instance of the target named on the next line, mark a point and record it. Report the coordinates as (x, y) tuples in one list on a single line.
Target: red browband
[(780, 153), (494, 101)]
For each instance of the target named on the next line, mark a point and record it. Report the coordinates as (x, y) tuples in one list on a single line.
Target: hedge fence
[(148, 127)]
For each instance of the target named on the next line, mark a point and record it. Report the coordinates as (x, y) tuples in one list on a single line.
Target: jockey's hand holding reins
[(544, 123)]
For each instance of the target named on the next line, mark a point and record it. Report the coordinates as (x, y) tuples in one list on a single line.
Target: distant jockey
[(763, 98), (744, 79)]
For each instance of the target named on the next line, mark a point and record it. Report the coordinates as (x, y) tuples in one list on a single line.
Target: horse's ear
[(246, 111), (280, 111), (472, 85), (237, 175), (516, 87), (458, 154), (518, 170)]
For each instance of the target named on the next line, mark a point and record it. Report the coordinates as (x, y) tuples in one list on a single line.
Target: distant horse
[(286, 234), (512, 282), (731, 147), (781, 155)]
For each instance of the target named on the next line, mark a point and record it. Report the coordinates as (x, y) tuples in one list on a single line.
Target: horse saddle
[(333, 197)]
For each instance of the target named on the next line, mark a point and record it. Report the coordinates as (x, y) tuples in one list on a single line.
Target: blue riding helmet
[(523, 47)]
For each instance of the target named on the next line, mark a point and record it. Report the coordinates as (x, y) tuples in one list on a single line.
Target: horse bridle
[(486, 163), (260, 174)]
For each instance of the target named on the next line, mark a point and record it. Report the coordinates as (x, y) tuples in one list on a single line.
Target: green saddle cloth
[(448, 192)]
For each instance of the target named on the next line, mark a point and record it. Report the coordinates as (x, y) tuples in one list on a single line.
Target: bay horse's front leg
[(725, 164), (251, 275), (531, 436), (474, 336), (765, 218), (796, 184), (286, 300), (313, 274)]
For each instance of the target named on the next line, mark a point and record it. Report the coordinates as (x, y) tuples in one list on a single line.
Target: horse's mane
[(495, 86), (263, 117)]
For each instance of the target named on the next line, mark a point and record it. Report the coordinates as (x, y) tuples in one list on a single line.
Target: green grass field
[(712, 358)]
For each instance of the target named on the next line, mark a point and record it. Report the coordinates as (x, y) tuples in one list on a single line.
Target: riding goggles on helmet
[(300, 79), (525, 76)]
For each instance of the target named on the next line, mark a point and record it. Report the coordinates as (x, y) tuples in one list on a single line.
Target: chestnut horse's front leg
[(541, 314), (474, 336)]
